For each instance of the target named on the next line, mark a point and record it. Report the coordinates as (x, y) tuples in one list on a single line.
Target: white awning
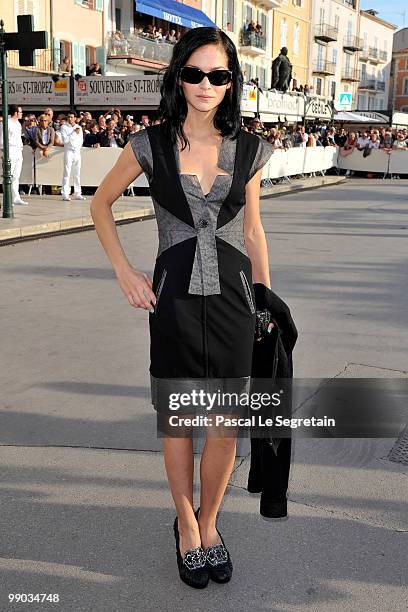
[(350, 117), (269, 118)]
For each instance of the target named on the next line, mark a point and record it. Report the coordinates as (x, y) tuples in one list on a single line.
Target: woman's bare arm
[(255, 240), (137, 286)]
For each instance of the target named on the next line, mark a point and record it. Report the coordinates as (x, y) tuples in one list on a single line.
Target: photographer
[(111, 137)]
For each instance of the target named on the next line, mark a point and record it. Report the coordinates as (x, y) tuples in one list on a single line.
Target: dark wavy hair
[(172, 110)]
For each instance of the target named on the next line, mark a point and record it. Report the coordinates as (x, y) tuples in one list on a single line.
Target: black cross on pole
[(26, 41)]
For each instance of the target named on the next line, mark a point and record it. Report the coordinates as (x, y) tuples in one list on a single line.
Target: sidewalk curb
[(10, 235), (305, 185)]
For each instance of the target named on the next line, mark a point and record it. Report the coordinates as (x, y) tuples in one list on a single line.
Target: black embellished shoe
[(192, 565), (218, 560)]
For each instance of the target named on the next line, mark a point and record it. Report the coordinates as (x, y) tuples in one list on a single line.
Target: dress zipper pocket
[(159, 289), (247, 290)]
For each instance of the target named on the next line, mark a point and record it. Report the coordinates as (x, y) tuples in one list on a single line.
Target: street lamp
[(25, 41)]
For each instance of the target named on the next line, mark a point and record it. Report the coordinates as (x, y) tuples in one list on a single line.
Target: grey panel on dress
[(170, 228), (204, 278), (264, 151), (205, 209), (140, 144), (233, 232)]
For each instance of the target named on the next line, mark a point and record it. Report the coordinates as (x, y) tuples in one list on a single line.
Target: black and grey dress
[(202, 328)]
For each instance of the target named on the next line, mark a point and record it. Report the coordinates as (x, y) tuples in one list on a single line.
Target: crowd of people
[(109, 129), (329, 136), (119, 42), (112, 129)]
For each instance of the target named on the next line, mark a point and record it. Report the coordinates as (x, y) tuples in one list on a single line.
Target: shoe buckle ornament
[(194, 558), (216, 554)]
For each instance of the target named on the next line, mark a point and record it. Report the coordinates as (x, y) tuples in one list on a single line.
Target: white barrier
[(27, 167), (398, 162), (299, 160), (377, 161), (276, 166), (96, 163), (330, 157)]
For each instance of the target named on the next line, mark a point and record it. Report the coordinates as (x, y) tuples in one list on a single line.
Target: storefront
[(174, 12)]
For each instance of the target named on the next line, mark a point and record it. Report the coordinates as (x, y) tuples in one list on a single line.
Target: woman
[(351, 141), (311, 140), (212, 246)]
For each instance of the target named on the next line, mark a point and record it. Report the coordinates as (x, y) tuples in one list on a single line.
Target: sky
[(390, 10)]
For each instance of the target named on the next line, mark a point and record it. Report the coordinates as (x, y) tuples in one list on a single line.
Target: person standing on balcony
[(72, 137)]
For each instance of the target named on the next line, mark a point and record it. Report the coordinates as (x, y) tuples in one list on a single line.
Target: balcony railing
[(364, 53), (380, 85), (272, 4), (350, 74), (326, 32), (138, 46), (383, 56), (367, 83), (90, 4), (44, 61), (373, 54), (252, 39), (323, 67), (353, 43)]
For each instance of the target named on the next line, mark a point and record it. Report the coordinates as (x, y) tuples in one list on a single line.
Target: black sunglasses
[(191, 75)]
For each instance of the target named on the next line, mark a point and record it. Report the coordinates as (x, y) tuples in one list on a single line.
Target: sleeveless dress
[(202, 328)]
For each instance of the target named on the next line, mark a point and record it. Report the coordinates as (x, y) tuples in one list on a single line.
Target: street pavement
[(48, 214), (85, 511)]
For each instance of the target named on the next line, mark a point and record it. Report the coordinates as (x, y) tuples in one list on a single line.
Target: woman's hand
[(137, 287)]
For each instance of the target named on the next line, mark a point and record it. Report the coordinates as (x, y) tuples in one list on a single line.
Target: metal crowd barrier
[(380, 161), (96, 163)]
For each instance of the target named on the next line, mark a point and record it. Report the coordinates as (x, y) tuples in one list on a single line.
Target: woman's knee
[(222, 443)]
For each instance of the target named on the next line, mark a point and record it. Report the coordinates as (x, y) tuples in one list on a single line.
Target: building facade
[(399, 72), (374, 61), (75, 30), (334, 48), (254, 51), (291, 29)]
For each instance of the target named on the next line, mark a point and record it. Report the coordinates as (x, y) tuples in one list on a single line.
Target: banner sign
[(41, 91), (248, 98), (318, 108), (141, 90), (282, 104)]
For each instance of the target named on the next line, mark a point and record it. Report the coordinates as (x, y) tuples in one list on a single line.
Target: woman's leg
[(217, 462), (179, 463)]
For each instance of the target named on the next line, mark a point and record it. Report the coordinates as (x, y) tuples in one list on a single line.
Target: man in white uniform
[(15, 150), (72, 137)]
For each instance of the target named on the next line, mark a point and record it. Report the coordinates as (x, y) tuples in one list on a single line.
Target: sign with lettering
[(318, 108), (37, 90), (143, 90), (282, 104)]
